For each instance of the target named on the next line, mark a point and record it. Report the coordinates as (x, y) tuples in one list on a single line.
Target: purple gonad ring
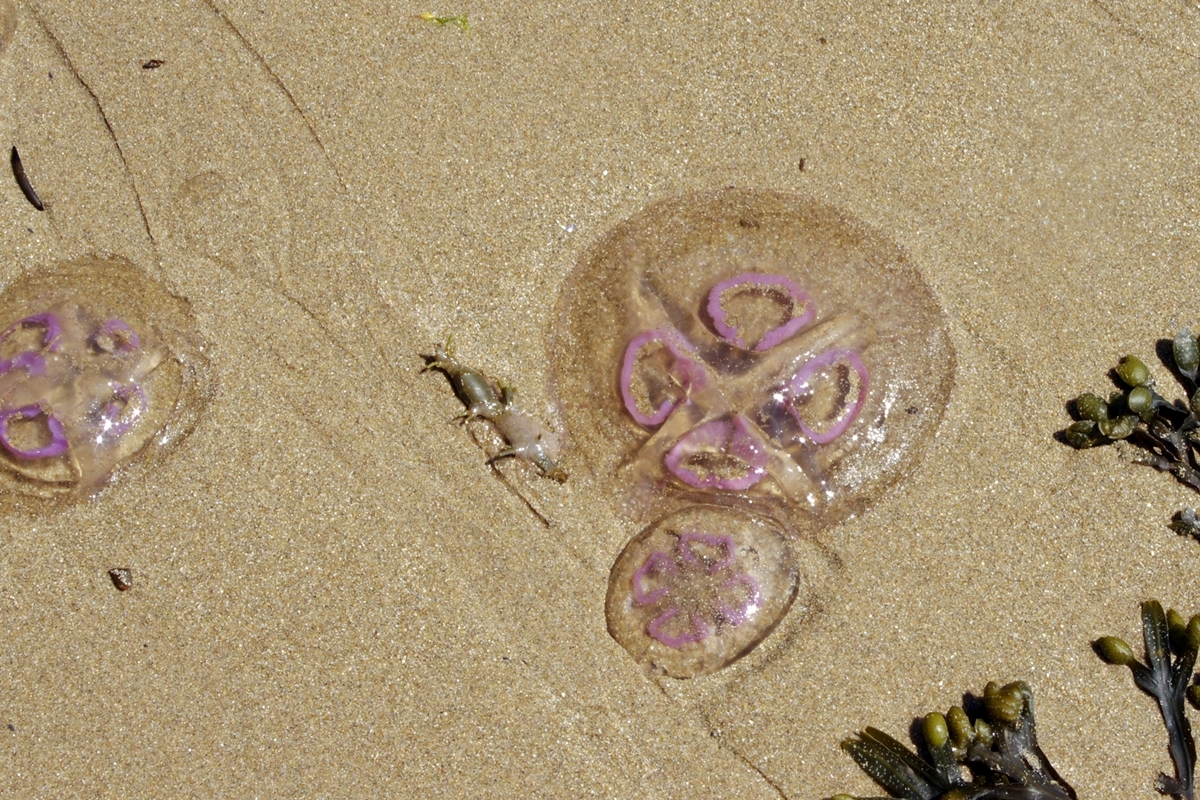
[(757, 282), (684, 370), (698, 629), (122, 412), (58, 438), (725, 435), (659, 563), (124, 336), (800, 384), (32, 363), (51, 329)]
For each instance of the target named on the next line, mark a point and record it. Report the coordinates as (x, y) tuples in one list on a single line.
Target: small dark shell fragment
[(122, 578)]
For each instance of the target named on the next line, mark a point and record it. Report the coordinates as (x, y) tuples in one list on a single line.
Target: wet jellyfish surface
[(98, 365), (750, 348), (699, 589), (746, 368)]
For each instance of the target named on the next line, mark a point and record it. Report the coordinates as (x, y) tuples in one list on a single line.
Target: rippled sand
[(332, 592)]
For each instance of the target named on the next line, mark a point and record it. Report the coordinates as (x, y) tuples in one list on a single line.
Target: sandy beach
[(335, 596)]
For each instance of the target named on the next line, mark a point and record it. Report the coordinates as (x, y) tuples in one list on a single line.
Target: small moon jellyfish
[(98, 365), (763, 357), (699, 589), (750, 348)]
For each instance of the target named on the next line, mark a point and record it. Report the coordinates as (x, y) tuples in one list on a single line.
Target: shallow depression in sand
[(763, 357), (99, 365)]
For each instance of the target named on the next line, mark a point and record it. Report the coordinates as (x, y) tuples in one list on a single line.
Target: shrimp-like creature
[(525, 437)]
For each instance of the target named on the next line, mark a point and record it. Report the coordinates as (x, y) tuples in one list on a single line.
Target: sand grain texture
[(334, 596)]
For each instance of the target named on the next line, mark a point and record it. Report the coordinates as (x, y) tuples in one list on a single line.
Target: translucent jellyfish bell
[(752, 348), (699, 589), (98, 365)]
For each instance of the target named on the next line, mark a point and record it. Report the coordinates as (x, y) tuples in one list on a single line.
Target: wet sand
[(332, 593)]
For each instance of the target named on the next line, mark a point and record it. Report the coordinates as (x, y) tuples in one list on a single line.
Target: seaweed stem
[(1166, 680)]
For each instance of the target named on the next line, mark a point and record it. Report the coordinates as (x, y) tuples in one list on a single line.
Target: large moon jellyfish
[(755, 352)]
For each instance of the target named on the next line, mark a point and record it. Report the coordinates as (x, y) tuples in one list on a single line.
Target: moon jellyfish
[(98, 365), (699, 589), (754, 349), (761, 356)]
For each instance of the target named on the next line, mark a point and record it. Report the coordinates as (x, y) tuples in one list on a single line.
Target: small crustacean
[(525, 437)]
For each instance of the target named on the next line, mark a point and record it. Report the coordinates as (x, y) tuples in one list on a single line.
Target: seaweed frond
[(993, 757), (1171, 647), (459, 21), (1168, 433)]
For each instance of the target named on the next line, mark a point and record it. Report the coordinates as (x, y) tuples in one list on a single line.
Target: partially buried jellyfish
[(751, 348), (98, 364), (699, 589)]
